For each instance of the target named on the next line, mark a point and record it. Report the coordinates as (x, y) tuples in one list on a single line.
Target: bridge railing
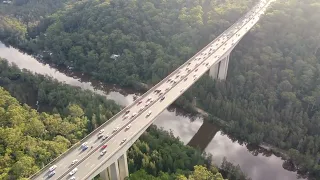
[(76, 145)]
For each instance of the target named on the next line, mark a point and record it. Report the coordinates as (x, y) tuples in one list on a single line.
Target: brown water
[(259, 166)]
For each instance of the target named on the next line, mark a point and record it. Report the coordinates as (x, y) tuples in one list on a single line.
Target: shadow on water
[(204, 135)]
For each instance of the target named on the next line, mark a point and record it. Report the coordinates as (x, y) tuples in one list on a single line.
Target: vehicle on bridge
[(104, 146), (128, 127), (124, 140), (73, 171), (84, 144), (133, 115), (52, 168), (101, 131), (100, 136), (105, 137), (84, 148), (103, 152), (115, 129), (147, 104), (51, 174), (149, 113), (74, 161)]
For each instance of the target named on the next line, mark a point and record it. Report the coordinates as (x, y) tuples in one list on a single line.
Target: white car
[(125, 117), (115, 129), (105, 137), (73, 171), (103, 152), (84, 144), (74, 161), (147, 104), (128, 127), (149, 98), (124, 140), (52, 168), (100, 136), (101, 131), (133, 115), (72, 178), (149, 113)]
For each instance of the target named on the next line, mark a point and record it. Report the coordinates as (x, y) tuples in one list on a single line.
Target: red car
[(104, 146)]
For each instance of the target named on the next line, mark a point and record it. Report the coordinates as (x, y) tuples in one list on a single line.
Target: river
[(190, 129)]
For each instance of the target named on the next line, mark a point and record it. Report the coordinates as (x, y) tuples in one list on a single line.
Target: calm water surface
[(209, 138)]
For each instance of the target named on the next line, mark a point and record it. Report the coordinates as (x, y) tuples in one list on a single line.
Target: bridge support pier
[(105, 174), (114, 171), (117, 170), (223, 69), (111, 173), (220, 69), (123, 166)]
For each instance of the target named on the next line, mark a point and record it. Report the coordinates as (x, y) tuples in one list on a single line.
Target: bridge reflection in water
[(204, 135)]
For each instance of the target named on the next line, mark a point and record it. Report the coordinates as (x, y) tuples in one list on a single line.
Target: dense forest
[(30, 139), (270, 95)]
